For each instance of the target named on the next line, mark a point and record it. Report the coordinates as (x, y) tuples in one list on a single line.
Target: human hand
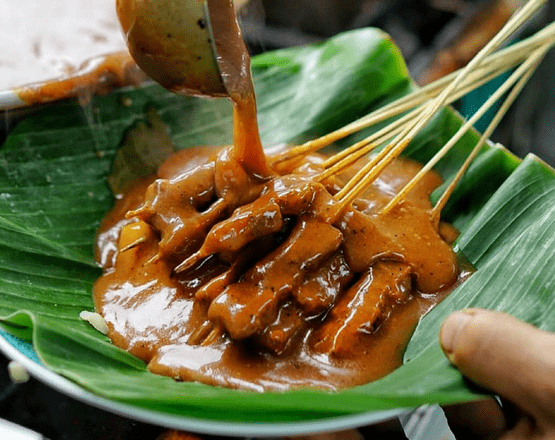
[(511, 358)]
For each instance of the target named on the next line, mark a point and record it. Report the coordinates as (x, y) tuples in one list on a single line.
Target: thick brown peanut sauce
[(296, 293)]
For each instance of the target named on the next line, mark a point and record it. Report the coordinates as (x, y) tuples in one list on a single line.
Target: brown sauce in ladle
[(196, 48)]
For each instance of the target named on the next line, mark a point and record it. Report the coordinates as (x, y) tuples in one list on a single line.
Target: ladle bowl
[(173, 42)]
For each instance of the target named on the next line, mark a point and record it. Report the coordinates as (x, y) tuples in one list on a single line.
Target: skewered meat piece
[(323, 285), (250, 222), (249, 306), (369, 238), (171, 207), (365, 242), (361, 310), (251, 253), (279, 335)]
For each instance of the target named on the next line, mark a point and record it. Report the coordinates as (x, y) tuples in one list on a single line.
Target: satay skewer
[(369, 173)]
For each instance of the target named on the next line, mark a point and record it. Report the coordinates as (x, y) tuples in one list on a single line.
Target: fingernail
[(452, 328)]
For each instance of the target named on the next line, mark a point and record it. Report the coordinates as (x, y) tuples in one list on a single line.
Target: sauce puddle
[(300, 302)]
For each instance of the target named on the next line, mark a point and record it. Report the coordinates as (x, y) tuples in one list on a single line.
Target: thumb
[(506, 355)]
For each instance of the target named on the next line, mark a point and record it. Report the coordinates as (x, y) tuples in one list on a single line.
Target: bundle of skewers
[(419, 107)]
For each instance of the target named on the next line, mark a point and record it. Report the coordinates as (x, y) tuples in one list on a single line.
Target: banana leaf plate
[(53, 194)]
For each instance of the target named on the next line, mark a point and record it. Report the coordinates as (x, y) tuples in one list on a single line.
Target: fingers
[(505, 355), (483, 419), (351, 434), (525, 429)]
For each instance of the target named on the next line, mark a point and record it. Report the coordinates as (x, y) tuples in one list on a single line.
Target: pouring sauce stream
[(233, 60)]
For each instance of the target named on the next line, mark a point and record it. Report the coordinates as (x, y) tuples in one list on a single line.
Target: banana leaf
[(53, 194)]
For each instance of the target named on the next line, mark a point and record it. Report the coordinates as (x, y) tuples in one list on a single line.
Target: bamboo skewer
[(487, 133), (522, 73), (492, 66)]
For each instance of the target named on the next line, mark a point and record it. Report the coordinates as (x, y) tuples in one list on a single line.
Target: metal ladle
[(195, 47), (190, 47)]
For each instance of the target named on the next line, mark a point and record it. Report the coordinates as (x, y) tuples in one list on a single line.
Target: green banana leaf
[(53, 194)]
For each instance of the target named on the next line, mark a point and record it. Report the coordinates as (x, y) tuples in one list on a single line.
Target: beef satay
[(171, 207), (278, 336), (239, 264), (405, 233), (247, 223), (433, 262), (248, 306), (364, 242), (288, 196), (321, 287), (179, 195), (361, 310)]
